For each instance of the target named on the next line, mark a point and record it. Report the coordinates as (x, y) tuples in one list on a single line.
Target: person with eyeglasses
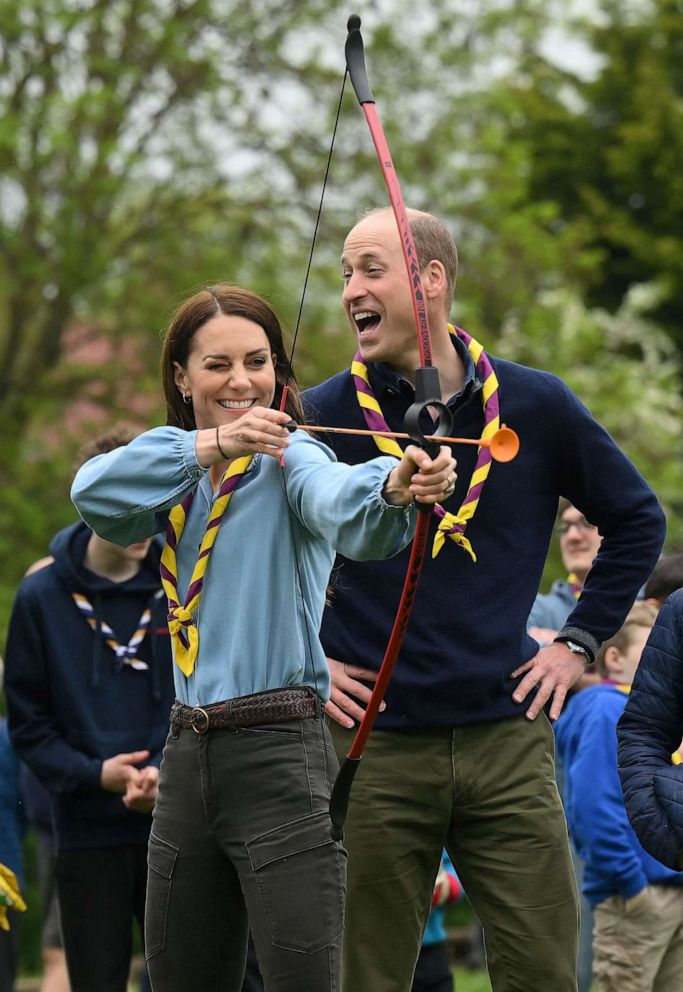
[(579, 546)]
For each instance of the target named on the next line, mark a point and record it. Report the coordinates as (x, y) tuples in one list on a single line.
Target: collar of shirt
[(386, 380)]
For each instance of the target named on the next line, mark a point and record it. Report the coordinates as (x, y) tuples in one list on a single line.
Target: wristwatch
[(576, 648)]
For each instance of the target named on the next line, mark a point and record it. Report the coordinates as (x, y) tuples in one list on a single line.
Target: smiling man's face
[(376, 294)]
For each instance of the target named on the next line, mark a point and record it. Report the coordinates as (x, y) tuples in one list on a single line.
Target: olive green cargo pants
[(488, 794)]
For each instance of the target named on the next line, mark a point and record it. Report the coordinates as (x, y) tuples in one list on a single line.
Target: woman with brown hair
[(253, 515)]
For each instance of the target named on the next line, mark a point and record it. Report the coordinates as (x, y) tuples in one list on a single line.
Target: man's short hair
[(640, 615), (562, 506), (117, 437), (432, 240), (666, 577)]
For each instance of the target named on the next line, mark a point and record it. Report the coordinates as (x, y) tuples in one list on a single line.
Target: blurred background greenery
[(150, 146)]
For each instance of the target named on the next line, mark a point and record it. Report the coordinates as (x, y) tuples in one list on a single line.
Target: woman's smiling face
[(229, 370)]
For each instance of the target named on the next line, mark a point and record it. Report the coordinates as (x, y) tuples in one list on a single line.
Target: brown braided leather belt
[(273, 706)]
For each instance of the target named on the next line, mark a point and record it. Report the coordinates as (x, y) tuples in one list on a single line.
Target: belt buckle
[(199, 714)]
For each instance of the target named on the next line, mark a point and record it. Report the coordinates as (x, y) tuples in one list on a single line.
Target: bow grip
[(428, 393)]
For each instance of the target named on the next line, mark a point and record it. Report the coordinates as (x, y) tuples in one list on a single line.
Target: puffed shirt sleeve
[(125, 494), (343, 504)]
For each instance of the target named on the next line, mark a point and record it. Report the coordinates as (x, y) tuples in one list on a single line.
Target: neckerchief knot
[(180, 616), (125, 654), (451, 525)]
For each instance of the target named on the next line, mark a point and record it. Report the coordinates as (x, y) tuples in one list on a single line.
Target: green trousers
[(241, 838), (488, 794)]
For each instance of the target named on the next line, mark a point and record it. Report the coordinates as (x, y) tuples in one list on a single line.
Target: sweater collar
[(388, 381)]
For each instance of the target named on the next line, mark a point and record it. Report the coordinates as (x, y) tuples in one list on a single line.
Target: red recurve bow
[(427, 394)]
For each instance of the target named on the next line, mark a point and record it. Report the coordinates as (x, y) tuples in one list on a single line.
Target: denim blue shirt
[(265, 585)]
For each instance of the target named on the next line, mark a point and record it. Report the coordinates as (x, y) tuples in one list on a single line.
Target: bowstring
[(290, 370), (289, 375)]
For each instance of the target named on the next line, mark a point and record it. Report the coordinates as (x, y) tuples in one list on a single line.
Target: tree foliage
[(607, 151), (150, 146), (625, 369)]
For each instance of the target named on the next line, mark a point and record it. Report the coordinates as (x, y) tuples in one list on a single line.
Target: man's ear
[(434, 279)]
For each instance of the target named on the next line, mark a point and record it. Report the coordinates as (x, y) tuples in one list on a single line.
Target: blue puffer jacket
[(649, 731)]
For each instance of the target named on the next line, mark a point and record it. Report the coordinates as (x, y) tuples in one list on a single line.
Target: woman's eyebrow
[(248, 354)]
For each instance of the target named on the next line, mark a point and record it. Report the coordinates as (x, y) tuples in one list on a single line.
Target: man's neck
[(445, 358), (103, 560)]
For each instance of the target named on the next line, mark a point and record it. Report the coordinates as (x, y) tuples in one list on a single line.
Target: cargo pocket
[(161, 859), (301, 875)]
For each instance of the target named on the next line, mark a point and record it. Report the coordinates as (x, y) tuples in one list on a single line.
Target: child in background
[(433, 969), (637, 903)]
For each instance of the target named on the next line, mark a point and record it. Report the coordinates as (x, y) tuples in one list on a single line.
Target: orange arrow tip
[(504, 444)]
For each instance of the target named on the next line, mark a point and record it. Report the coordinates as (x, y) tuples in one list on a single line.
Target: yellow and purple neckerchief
[(126, 654), (181, 622), (574, 585), (452, 525)]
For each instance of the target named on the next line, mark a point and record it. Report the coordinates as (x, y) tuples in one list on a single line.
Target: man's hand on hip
[(554, 670), (347, 692)]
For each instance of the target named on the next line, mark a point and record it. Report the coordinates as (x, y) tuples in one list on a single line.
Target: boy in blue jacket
[(637, 902)]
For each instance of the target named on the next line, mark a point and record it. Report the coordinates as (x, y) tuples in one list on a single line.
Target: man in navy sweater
[(462, 755), (89, 687)]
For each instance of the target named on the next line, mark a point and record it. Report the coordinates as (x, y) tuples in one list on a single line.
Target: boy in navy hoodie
[(637, 902), (89, 688)]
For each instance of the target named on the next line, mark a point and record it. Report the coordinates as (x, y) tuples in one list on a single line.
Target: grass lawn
[(465, 981), (471, 981)]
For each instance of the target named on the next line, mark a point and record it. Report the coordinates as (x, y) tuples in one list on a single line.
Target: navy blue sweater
[(650, 730), (69, 703), (468, 628)]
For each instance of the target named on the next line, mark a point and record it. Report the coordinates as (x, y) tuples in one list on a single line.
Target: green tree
[(150, 146), (607, 151), (141, 154), (626, 370)]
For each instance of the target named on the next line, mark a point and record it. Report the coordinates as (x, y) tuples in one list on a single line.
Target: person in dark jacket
[(637, 902), (649, 732), (89, 688)]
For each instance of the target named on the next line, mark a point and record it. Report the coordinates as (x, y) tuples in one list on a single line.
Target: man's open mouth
[(366, 320)]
